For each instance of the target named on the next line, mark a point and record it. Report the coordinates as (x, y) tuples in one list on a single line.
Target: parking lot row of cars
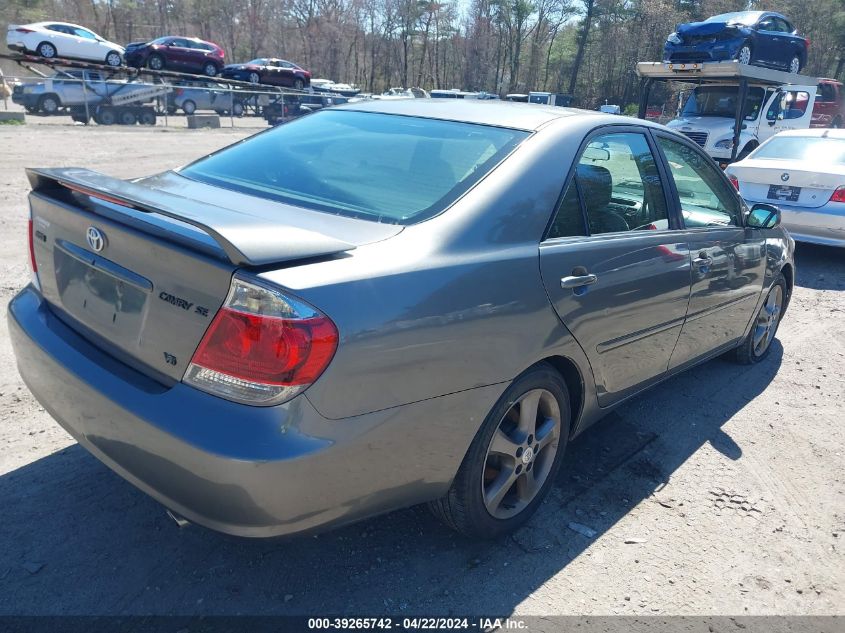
[(52, 40)]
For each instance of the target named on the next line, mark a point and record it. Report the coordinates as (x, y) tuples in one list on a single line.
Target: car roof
[(76, 26), (816, 132), (522, 116)]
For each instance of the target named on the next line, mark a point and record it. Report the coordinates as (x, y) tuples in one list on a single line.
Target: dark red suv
[(184, 54)]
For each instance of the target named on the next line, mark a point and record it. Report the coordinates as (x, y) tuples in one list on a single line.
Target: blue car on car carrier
[(762, 38)]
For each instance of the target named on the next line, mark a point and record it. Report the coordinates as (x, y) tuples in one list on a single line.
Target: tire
[(745, 54), (478, 487), (155, 62), (254, 78), (758, 343), (189, 107), (238, 109), (114, 59), (30, 109), (126, 117), (49, 104), (106, 116), (794, 64), (210, 69), (837, 123), (46, 50), (147, 116), (299, 84)]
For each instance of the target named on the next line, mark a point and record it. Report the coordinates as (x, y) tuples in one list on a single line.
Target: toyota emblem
[(96, 239), (784, 177)]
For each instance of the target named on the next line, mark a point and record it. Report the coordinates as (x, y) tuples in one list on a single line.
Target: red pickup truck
[(829, 110)]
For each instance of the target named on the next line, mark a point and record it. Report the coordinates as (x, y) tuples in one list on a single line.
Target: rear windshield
[(381, 167), (817, 150), (722, 101)]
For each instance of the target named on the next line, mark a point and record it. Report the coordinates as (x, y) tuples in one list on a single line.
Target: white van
[(708, 113)]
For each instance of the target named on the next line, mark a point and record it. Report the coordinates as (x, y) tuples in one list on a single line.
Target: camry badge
[(96, 239)]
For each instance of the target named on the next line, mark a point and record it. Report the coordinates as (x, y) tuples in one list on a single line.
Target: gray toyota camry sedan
[(385, 304)]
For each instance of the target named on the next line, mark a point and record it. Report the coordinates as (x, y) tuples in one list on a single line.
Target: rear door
[(179, 53), (615, 266), (728, 260)]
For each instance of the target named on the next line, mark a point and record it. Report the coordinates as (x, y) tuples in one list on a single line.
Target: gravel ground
[(719, 492)]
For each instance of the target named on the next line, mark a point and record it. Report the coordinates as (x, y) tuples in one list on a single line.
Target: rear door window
[(616, 187)]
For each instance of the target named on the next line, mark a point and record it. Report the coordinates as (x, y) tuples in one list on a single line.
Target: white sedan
[(803, 173), (61, 39)]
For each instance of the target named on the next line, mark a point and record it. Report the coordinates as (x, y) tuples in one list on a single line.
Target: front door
[(790, 109), (728, 260), (614, 264)]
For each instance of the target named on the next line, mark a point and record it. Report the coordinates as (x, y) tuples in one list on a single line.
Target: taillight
[(734, 181), (32, 263), (263, 347), (807, 43), (838, 195), (21, 29)]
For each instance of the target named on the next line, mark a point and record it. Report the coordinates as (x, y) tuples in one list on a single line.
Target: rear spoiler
[(246, 239)]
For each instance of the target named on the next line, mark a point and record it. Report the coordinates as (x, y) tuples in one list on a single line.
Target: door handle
[(576, 281)]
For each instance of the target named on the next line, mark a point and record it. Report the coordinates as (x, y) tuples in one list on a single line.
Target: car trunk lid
[(787, 183), (141, 270)]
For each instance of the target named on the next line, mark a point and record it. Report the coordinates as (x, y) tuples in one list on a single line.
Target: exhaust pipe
[(181, 521)]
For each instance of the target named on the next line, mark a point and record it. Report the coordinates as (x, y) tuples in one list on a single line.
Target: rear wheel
[(189, 107), (46, 49), (49, 104), (106, 116), (155, 62), (114, 59), (147, 116), (298, 84), (238, 108), (795, 64), (743, 56), (127, 117), (758, 343), (254, 77), (210, 69), (837, 123), (513, 460)]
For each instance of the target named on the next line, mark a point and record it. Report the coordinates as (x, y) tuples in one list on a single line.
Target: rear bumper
[(248, 471)]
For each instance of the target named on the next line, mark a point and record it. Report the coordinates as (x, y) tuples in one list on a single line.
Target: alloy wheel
[(521, 453), (767, 319), (795, 65), (744, 56), (113, 59), (254, 78), (47, 50)]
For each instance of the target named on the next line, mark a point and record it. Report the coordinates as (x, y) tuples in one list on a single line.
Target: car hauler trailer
[(733, 107)]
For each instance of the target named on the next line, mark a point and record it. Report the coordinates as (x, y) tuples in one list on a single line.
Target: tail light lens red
[(734, 181), (838, 195), (32, 263), (263, 347), (21, 29)]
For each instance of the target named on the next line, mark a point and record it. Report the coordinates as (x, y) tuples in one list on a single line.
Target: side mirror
[(763, 216)]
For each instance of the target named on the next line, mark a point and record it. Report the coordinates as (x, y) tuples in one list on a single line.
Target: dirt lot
[(720, 492)]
